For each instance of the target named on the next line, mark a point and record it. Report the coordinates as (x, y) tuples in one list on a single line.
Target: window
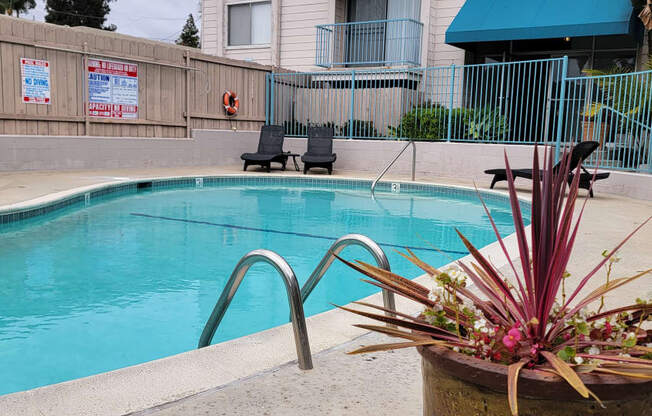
[(250, 23)]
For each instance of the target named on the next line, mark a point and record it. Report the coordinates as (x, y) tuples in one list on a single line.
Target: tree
[(17, 6), (190, 34), (90, 13), (643, 9)]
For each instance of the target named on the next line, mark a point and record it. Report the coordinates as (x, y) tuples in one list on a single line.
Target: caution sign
[(35, 76), (112, 89)]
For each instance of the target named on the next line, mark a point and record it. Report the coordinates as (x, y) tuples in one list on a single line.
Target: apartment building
[(317, 35), (315, 40), (328, 34)]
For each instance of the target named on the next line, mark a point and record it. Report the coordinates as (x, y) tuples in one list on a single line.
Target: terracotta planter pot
[(589, 132), (455, 384)]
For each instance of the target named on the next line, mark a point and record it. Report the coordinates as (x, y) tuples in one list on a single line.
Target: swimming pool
[(130, 274)]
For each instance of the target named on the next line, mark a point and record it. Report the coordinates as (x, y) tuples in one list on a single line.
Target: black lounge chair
[(580, 152), (320, 149), (270, 149)]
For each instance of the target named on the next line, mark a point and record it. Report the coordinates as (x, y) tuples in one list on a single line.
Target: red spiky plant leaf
[(520, 325)]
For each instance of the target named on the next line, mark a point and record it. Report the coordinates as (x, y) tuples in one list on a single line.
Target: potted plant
[(527, 335), (594, 125)]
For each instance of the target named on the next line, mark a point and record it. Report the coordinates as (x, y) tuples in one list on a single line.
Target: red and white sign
[(112, 89), (35, 75)]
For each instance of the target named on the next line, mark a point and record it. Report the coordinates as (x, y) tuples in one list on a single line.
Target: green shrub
[(486, 124), (460, 123), (294, 127), (361, 128), (423, 123), (297, 128), (431, 123)]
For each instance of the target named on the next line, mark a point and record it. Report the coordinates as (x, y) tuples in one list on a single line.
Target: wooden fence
[(179, 89)]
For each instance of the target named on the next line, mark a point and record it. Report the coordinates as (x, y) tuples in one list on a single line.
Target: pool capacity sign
[(35, 75), (112, 89)]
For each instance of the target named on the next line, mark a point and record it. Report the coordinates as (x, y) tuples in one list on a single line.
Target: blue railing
[(490, 102), (616, 111), (392, 42), (514, 102)]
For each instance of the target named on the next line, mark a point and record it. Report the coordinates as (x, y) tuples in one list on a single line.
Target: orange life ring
[(231, 102)]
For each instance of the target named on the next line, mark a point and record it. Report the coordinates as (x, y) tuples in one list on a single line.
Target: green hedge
[(431, 123), (361, 128)]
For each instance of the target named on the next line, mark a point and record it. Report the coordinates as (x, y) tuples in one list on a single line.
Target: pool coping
[(42, 205), (156, 382)]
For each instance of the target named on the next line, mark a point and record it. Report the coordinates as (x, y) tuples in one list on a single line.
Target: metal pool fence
[(514, 102), (616, 111)]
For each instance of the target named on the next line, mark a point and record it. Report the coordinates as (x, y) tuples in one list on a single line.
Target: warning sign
[(35, 76), (112, 89)]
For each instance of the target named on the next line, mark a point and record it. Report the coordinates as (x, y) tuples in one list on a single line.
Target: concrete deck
[(384, 383)]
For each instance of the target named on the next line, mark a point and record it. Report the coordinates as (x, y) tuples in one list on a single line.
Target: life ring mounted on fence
[(231, 102)]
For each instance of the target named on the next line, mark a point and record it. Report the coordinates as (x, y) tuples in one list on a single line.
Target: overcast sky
[(153, 19)]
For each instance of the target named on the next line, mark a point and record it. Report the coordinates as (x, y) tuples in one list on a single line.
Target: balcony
[(395, 42)]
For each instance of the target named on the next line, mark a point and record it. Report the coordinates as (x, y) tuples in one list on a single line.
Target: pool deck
[(257, 374)]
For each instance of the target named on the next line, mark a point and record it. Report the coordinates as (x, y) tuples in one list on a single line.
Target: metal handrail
[(294, 298), (623, 115), (384, 171), (376, 42), (339, 245), (349, 24)]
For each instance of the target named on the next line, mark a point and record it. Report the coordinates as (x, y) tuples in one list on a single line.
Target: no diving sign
[(35, 74)]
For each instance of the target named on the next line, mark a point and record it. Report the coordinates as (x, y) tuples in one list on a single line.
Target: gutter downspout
[(276, 53)]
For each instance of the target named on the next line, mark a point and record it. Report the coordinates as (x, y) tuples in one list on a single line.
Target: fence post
[(562, 102), (188, 97), (87, 122), (649, 153), (450, 105), (352, 103), (271, 98), (267, 98)]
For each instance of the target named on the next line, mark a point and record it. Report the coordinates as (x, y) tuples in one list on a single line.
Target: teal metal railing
[(521, 102), (494, 102), (373, 43), (616, 111)]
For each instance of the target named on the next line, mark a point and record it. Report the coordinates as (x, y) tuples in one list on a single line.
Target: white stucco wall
[(465, 161)]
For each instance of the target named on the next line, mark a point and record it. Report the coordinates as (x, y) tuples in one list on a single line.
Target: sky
[(153, 19)]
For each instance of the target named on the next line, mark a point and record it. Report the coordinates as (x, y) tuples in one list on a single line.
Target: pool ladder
[(296, 297), (390, 164)]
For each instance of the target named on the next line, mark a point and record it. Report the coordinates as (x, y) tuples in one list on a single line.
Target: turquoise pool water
[(131, 278)]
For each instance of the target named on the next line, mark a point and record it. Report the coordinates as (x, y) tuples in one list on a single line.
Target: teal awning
[(500, 20)]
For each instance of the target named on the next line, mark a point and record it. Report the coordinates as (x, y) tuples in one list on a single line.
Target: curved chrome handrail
[(294, 298), (339, 245), (390, 164)]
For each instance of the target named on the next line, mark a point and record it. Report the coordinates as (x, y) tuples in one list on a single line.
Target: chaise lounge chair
[(270, 149), (320, 149), (580, 152)]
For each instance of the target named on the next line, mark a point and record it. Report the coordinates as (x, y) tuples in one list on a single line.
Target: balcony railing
[(391, 42)]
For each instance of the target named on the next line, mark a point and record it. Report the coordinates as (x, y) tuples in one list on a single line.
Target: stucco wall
[(64, 152), (294, 32), (442, 13), (224, 147)]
